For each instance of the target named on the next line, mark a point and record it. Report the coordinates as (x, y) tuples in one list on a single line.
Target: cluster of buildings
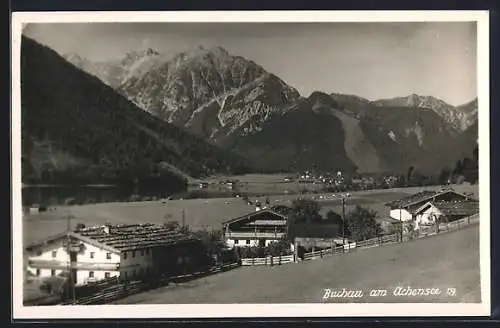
[(430, 207)]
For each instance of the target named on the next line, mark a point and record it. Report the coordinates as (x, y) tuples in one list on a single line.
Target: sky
[(371, 60)]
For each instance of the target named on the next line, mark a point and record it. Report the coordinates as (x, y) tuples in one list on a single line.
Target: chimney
[(258, 206)]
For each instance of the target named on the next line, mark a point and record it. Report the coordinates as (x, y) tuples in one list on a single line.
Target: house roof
[(122, 237), (469, 207), (246, 216), (135, 236), (421, 197), (311, 230), (387, 219)]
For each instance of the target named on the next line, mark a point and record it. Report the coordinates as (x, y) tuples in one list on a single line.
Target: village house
[(405, 209), (445, 211), (267, 225), (259, 228), (124, 251)]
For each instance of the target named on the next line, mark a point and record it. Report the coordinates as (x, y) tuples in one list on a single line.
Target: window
[(125, 275), (52, 272), (37, 272), (133, 253), (54, 254), (147, 251), (91, 274), (248, 241), (142, 252), (108, 256), (92, 254), (106, 275), (236, 241), (124, 255)]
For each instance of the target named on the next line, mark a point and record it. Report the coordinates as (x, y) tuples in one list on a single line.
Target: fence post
[(253, 260), (279, 263), (468, 219), (321, 253)]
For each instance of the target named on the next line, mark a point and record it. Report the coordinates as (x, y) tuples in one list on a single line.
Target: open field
[(450, 260), (199, 213)]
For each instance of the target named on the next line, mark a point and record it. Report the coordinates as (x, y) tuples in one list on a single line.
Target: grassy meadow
[(450, 260), (198, 213)]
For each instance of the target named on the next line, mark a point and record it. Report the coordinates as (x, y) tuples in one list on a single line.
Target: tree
[(281, 247), (408, 176), (305, 211), (360, 224), (444, 176), (333, 218)]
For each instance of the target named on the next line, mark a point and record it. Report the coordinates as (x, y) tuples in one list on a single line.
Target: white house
[(124, 251), (405, 209), (445, 211), (259, 228)]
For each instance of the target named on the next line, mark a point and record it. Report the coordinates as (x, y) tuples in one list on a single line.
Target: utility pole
[(183, 219), (343, 222), (343, 198)]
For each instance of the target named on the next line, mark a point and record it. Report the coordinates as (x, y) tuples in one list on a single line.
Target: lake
[(70, 195)]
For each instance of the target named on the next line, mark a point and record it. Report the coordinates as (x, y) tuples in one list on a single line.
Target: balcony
[(64, 265), (255, 235)]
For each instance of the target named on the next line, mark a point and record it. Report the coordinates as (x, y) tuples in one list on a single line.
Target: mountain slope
[(235, 104), (297, 140), (460, 117), (391, 138), (91, 124)]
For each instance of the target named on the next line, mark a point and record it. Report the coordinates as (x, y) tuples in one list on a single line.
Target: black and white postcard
[(250, 164)]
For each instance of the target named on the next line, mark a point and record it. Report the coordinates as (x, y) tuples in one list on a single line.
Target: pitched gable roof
[(249, 215), (458, 208), (135, 236), (422, 197), (461, 207), (122, 237)]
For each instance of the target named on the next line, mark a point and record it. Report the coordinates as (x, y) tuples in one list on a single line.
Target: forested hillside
[(96, 135)]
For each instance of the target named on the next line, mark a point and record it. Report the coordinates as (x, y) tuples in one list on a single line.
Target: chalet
[(258, 228), (445, 211), (404, 209), (267, 225), (124, 251)]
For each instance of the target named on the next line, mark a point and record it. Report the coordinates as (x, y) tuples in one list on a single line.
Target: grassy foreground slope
[(450, 260)]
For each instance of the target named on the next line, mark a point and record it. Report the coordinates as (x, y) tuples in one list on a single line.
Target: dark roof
[(458, 207), (134, 236), (254, 213), (420, 197), (282, 209), (312, 230), (121, 237), (387, 219)]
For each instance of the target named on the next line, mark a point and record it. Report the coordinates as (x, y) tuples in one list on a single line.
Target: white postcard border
[(255, 310)]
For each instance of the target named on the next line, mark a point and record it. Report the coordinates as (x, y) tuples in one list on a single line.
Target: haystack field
[(447, 263)]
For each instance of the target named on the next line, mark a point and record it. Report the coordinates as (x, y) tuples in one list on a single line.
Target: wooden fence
[(374, 242), (118, 290), (269, 260)]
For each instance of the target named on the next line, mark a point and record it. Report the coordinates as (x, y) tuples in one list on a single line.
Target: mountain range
[(241, 109)]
